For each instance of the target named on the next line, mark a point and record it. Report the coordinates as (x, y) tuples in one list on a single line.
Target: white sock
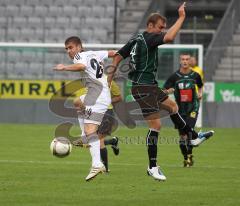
[(94, 142), (81, 123)]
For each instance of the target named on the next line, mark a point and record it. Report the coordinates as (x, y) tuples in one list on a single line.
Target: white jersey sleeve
[(102, 54), (79, 58)]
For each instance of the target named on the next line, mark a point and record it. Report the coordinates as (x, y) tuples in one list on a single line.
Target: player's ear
[(150, 25), (80, 47)]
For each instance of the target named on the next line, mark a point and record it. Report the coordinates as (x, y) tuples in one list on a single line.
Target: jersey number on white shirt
[(98, 67)]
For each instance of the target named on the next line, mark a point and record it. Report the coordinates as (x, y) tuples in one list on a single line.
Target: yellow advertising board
[(40, 89)]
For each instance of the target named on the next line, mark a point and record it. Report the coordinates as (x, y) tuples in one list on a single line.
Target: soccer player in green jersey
[(143, 52), (184, 82)]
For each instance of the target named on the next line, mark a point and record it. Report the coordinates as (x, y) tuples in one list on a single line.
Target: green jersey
[(185, 90), (143, 52)]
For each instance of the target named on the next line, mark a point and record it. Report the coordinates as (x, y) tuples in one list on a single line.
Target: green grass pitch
[(30, 175)]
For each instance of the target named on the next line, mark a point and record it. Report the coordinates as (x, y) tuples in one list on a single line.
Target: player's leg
[(92, 119), (191, 121), (183, 145), (180, 124), (102, 133), (90, 130), (94, 142), (184, 149), (79, 106), (113, 141), (172, 108), (202, 136), (103, 151), (146, 97), (108, 125), (154, 125)]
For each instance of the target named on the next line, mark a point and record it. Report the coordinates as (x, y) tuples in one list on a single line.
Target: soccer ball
[(60, 147)]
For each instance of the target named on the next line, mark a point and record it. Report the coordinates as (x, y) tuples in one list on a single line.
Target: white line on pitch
[(83, 163)]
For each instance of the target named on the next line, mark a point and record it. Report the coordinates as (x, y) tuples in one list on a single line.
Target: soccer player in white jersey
[(97, 99)]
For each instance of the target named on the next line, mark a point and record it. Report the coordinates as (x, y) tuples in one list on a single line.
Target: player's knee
[(155, 125), (76, 103), (158, 127), (183, 137), (174, 108), (102, 145)]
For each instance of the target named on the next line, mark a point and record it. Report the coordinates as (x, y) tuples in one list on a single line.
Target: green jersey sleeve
[(126, 49)]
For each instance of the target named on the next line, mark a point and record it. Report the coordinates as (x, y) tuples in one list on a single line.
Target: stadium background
[(32, 33), (214, 25)]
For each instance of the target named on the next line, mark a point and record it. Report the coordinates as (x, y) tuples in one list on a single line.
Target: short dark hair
[(154, 17), (185, 53), (76, 40)]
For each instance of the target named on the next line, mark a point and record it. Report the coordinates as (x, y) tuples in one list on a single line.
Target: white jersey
[(94, 78)]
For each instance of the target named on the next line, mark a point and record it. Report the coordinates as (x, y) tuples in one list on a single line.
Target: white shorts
[(97, 110)]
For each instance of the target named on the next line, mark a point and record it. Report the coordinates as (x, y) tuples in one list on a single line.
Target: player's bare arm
[(172, 32), (111, 53), (116, 59), (200, 93), (170, 90), (71, 67), (116, 99)]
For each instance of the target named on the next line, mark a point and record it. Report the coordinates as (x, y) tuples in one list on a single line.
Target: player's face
[(72, 49), (185, 61), (159, 26), (193, 61)]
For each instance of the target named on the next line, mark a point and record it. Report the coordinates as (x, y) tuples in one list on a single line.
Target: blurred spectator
[(195, 67)]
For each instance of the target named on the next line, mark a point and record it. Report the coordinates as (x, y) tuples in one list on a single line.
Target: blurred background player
[(195, 67), (184, 82), (143, 52), (97, 99), (108, 124)]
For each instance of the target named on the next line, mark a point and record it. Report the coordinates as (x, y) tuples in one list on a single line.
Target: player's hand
[(109, 80), (170, 90), (181, 10), (88, 111), (199, 95), (59, 67)]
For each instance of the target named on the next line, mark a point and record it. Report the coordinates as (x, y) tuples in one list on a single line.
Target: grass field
[(30, 175)]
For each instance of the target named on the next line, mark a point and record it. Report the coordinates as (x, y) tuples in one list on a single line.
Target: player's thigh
[(101, 138), (108, 124), (153, 121), (169, 105), (147, 98), (95, 114), (192, 119), (90, 128), (77, 102), (183, 137)]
